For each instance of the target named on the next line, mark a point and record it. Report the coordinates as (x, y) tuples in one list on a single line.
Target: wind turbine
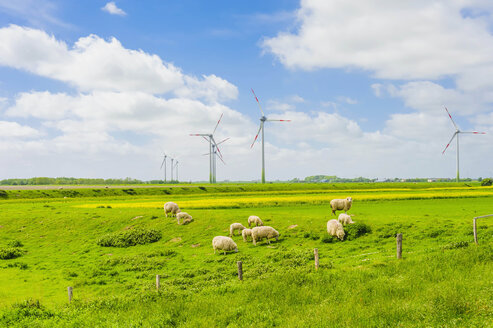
[(172, 169), (212, 150), (263, 119), (216, 153), (164, 164), (176, 167), (456, 134)]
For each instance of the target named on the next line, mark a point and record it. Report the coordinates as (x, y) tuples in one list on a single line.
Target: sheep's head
[(236, 250), (340, 234), (178, 211), (349, 199)]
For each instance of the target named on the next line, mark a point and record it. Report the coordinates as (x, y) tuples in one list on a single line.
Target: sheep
[(345, 219), (235, 226), (245, 233), (264, 232), (341, 205), (187, 218), (224, 243), (254, 220), (335, 228), (172, 208)]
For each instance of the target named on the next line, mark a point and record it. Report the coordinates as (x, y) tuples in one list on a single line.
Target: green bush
[(10, 253), (329, 239), (3, 194), (138, 236), (355, 230), (458, 244), (487, 182), (15, 243)]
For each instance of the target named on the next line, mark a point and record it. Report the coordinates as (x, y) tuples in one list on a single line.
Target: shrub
[(10, 253), (139, 236), (487, 182), (355, 230), (3, 194), (15, 243)]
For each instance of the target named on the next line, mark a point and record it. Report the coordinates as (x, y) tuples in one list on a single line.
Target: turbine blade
[(162, 163), (258, 103), (456, 127), (278, 120), (222, 160), (453, 136), (256, 136), (199, 134), (218, 123), (473, 132), (220, 142)]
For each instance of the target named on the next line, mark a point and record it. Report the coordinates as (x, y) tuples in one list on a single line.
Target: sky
[(102, 89)]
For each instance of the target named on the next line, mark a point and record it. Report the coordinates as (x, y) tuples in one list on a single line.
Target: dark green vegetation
[(132, 237), (444, 279)]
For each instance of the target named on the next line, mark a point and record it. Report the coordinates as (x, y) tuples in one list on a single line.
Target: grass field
[(443, 279)]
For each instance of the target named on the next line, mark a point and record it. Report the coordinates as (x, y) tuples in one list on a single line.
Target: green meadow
[(49, 241)]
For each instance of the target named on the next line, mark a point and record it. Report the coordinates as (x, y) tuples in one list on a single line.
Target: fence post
[(70, 293), (158, 282), (475, 229), (399, 245), (240, 270), (315, 252)]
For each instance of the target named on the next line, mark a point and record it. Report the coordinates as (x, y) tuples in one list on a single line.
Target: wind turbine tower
[(456, 134), (213, 150), (263, 119), (164, 164)]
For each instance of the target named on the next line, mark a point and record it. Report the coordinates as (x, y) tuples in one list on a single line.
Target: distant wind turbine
[(176, 167), (164, 164), (456, 134), (213, 150), (263, 118)]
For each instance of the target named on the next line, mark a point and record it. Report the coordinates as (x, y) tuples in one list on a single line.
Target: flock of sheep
[(259, 231)]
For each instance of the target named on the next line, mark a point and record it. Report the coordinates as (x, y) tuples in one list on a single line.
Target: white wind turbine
[(212, 150), (456, 134), (263, 118), (164, 164)]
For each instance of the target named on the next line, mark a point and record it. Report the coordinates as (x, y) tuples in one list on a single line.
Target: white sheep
[(245, 233), (345, 219), (235, 226), (264, 232), (187, 218), (223, 243), (172, 208), (341, 205), (254, 220), (335, 228)]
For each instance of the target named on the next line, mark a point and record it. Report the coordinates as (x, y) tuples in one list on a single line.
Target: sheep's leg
[(268, 241)]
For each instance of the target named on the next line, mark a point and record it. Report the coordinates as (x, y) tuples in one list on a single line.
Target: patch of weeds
[(327, 239), (129, 191), (10, 253), (458, 244), (138, 236), (3, 194), (306, 235), (100, 206), (108, 206), (20, 265), (435, 233), (315, 237), (203, 188), (153, 217), (356, 230), (15, 243)]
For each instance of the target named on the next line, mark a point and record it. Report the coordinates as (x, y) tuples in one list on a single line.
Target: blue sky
[(92, 92)]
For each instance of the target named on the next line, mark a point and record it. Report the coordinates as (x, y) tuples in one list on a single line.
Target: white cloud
[(278, 106), (111, 8), (393, 40), (347, 100), (15, 130)]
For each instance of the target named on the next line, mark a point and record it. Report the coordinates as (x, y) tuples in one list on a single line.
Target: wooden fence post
[(70, 293), (315, 252), (399, 245), (158, 282), (240, 270), (475, 229)]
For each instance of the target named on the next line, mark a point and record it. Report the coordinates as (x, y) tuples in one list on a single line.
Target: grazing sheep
[(185, 216), (224, 244), (264, 232), (345, 219), (235, 226), (245, 233), (341, 205), (172, 208), (254, 220), (335, 228)]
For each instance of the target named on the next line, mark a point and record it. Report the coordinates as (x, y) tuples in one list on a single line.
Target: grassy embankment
[(444, 279)]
